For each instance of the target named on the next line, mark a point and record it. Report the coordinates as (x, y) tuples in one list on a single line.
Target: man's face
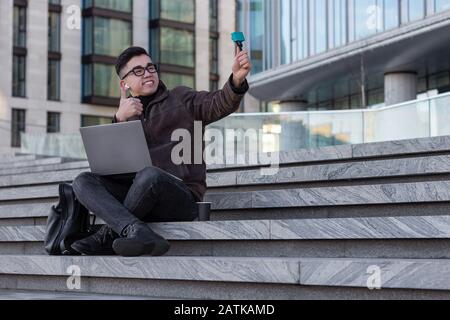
[(144, 85)]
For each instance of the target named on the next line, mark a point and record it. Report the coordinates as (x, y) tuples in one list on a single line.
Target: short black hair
[(127, 55)]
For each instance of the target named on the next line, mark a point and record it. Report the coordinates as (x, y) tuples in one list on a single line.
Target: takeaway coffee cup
[(204, 211)]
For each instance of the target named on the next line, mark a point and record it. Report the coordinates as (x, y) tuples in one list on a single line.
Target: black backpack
[(67, 222)]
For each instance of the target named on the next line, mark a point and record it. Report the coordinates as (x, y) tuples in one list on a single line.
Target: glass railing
[(273, 132)]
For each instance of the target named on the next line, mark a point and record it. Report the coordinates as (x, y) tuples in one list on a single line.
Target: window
[(107, 31), (442, 5), (17, 126), (20, 26), (172, 40), (89, 121), (54, 80), (19, 50), (54, 31), (53, 122), (177, 47), (391, 14), (54, 51), (320, 25), (19, 76), (416, 9), (175, 10), (172, 80), (105, 36), (213, 45), (115, 5), (286, 32)]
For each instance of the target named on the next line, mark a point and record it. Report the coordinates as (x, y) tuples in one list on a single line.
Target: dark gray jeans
[(151, 195)]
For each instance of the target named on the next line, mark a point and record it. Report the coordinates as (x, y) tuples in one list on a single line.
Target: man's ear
[(125, 87)]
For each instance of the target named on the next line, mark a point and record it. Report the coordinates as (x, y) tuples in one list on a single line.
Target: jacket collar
[(160, 95)]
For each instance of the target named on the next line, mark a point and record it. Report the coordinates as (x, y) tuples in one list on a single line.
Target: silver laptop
[(116, 149)]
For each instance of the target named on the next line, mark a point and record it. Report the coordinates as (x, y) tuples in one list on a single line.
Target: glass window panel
[(54, 27), (391, 14), (302, 29), (240, 15), (155, 44), (89, 121), (105, 81), (367, 18), (214, 53), (53, 122), (176, 10), (172, 80), (416, 9), (19, 26), (18, 125), (53, 85), (87, 35), (339, 19), (87, 80), (268, 35), (19, 76), (257, 35), (214, 15), (117, 5), (320, 26), (111, 36), (177, 47), (442, 5), (285, 32)]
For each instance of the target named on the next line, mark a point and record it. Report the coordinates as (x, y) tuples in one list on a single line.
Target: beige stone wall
[(70, 106), (6, 27)]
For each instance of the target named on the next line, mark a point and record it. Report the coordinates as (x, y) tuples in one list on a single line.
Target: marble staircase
[(315, 230)]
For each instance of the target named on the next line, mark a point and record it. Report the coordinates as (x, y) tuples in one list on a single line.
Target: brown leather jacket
[(168, 111)]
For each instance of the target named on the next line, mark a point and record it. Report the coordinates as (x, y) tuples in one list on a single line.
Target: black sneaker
[(140, 240), (98, 244)]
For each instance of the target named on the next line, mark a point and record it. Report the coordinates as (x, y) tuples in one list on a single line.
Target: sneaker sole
[(134, 248)]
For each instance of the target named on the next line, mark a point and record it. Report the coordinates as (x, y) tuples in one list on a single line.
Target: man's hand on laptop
[(129, 107)]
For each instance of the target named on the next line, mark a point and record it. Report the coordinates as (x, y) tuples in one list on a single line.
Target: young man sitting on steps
[(126, 204)]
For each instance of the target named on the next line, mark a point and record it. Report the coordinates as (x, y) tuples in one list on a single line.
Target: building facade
[(57, 56), (344, 54)]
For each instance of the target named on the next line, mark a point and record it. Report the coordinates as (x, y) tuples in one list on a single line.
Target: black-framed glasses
[(140, 71)]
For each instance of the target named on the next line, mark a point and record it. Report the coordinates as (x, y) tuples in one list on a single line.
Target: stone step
[(420, 227), (48, 295), (388, 237), (45, 168), (379, 150), (4, 159), (39, 178), (432, 165), (224, 277), (397, 193), (31, 163), (390, 149), (34, 192), (34, 212), (418, 274), (28, 209), (229, 269), (417, 166)]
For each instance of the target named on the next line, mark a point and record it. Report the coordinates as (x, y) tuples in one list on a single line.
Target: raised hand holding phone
[(241, 65)]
